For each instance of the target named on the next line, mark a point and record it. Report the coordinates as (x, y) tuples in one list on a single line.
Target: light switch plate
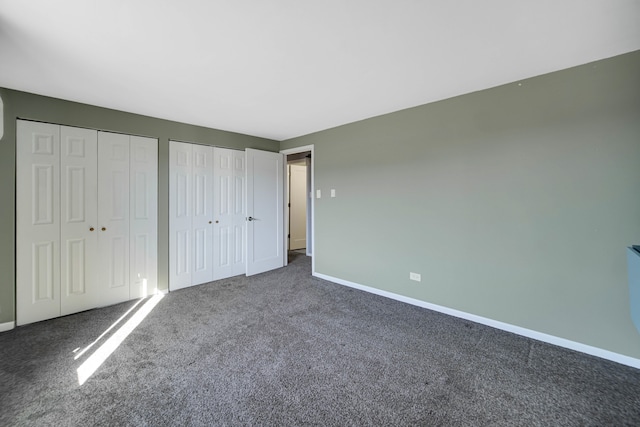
[(333, 192), (318, 194)]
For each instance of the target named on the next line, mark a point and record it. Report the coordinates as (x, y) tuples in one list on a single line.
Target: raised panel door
[(180, 213), (229, 175), (202, 218), (37, 222), (238, 262), (78, 220), (113, 218), (223, 213), (143, 228)]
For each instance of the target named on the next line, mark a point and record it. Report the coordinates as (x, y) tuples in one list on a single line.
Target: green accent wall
[(35, 107), (514, 203)]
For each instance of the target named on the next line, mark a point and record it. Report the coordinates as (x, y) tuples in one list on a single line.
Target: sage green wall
[(29, 106), (515, 203)]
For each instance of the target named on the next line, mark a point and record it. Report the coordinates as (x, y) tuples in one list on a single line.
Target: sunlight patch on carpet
[(102, 353), (87, 348)]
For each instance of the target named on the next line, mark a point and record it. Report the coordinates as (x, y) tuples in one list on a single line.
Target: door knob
[(91, 229), (210, 222), (104, 228), (217, 221), (250, 218)]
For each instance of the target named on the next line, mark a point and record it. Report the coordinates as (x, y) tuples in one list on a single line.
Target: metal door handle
[(250, 218)]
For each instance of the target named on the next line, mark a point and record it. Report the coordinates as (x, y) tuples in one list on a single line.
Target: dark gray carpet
[(283, 348)]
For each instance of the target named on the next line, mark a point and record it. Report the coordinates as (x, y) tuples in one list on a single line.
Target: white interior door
[(37, 222), (297, 206), (202, 218), (229, 185), (79, 219), (113, 217), (265, 208), (180, 193), (143, 217)]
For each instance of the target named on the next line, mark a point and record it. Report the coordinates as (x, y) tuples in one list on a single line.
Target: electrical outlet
[(415, 276)]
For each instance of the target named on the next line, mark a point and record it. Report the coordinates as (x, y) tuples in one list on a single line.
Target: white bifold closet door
[(206, 214), (229, 226), (86, 219), (79, 220), (180, 214), (202, 214), (128, 216), (37, 222), (143, 217)]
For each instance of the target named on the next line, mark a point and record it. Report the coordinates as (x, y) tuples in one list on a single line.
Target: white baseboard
[(551, 339), (7, 326)]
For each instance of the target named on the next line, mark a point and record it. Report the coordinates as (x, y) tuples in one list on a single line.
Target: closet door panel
[(180, 212), (223, 194), (239, 223), (113, 218), (202, 218), (143, 216), (37, 222), (229, 177), (78, 225)]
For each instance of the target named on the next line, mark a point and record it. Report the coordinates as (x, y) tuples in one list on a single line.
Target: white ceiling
[(285, 68)]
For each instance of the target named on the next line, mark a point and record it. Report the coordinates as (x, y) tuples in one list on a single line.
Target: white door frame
[(310, 251)]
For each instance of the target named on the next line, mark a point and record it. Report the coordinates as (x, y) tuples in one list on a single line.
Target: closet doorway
[(226, 210)]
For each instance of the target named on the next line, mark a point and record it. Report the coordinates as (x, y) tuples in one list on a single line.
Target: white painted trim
[(296, 150), (551, 339), (7, 326)]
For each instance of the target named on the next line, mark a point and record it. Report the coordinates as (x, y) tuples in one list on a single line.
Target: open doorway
[(299, 201)]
